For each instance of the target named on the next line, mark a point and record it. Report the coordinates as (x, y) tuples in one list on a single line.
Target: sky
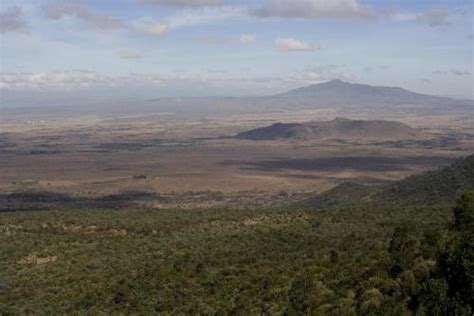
[(169, 48)]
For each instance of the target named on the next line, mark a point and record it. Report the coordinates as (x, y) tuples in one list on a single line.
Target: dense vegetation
[(436, 273), (365, 261), (355, 256), (437, 187)]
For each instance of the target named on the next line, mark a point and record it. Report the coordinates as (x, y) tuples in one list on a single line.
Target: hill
[(337, 128), (437, 187)]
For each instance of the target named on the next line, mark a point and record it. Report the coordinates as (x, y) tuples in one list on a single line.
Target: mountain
[(334, 95), (339, 128), (343, 94), (437, 187)]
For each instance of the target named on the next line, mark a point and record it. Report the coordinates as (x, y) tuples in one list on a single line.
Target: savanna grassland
[(97, 156)]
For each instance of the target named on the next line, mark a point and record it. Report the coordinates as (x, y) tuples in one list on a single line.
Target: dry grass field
[(95, 156)]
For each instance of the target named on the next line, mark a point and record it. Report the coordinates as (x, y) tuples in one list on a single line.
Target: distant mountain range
[(437, 187), (340, 93), (333, 95), (339, 128)]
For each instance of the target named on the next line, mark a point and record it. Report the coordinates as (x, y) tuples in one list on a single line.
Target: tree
[(448, 289), (456, 263), (464, 213), (404, 248)]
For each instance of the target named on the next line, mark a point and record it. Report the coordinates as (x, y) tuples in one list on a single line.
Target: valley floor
[(97, 156)]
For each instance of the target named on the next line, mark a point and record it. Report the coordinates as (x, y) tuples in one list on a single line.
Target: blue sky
[(225, 47)]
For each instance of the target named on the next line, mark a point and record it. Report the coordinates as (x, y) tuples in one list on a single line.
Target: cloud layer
[(434, 17), (56, 11), (184, 3), (79, 81), (312, 9), (11, 20), (320, 73), (59, 10)]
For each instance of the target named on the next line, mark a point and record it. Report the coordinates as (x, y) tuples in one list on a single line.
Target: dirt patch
[(79, 229), (274, 220), (72, 229), (116, 232), (34, 259)]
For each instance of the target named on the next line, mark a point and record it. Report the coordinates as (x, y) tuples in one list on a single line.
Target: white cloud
[(248, 38), (318, 74), (82, 88), (308, 77), (434, 17), (11, 20), (456, 72), (74, 80), (59, 10), (43, 80), (345, 10), (151, 27), (313, 9), (184, 3), (206, 15), (293, 45), (212, 81)]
